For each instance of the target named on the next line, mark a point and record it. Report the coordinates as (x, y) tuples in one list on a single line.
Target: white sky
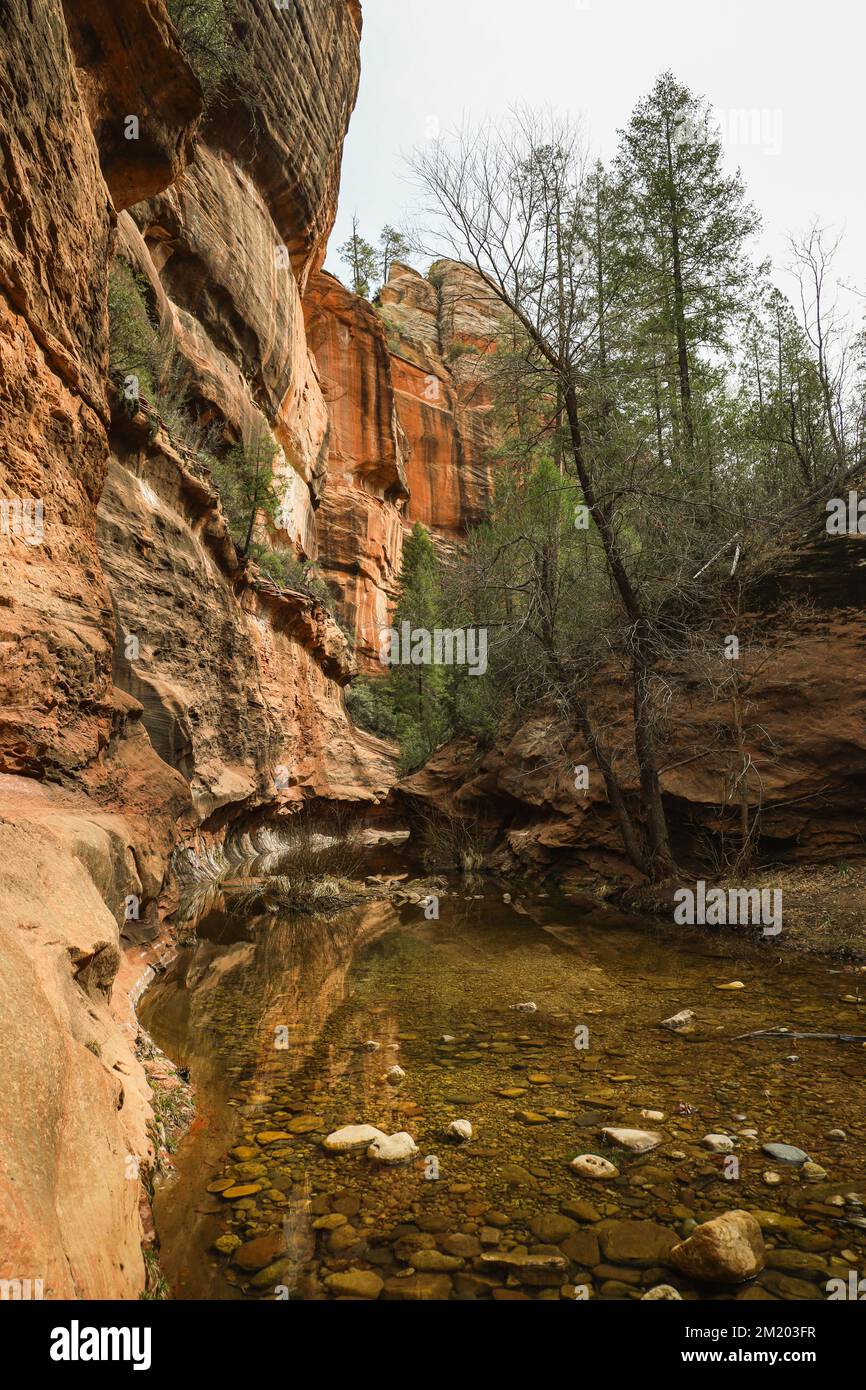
[(797, 65)]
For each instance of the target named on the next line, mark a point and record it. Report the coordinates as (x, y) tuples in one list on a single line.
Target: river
[(276, 1021)]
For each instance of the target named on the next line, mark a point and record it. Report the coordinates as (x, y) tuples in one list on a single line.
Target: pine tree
[(393, 247), (419, 691), (362, 260), (688, 225)]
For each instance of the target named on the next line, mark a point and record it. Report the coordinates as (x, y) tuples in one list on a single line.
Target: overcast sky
[(796, 66)]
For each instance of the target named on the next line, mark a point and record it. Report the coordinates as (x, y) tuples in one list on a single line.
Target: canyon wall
[(152, 682), (411, 435)]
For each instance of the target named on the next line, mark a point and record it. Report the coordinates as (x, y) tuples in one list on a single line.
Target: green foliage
[(411, 703), (369, 268), (370, 703), (132, 336), (393, 246), (245, 478), (283, 566), (419, 693), (209, 43), (361, 258), (138, 347), (243, 474)]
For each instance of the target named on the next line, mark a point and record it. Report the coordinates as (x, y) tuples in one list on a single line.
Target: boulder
[(393, 1148), (727, 1250), (352, 1138)]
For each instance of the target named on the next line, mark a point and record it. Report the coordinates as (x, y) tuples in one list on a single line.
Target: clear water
[(272, 1018)]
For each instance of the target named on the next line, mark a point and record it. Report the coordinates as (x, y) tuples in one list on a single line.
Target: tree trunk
[(661, 859), (679, 305)]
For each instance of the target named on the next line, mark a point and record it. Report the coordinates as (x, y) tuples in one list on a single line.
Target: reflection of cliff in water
[(248, 1000)]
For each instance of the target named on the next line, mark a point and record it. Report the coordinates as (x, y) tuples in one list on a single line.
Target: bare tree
[(509, 201)]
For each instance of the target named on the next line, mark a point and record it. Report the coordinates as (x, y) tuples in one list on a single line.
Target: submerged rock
[(592, 1166), (641, 1243), (637, 1141), (727, 1250), (422, 1288), (259, 1253), (460, 1129), (355, 1283), (393, 1148), (813, 1172), (662, 1292), (680, 1020), (352, 1139), (718, 1143), (227, 1244), (786, 1153), (395, 1075)]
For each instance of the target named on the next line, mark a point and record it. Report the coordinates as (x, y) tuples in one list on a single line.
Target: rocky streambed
[(540, 1026)]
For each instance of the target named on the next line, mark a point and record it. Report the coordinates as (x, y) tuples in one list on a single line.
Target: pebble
[(786, 1153), (718, 1143), (460, 1130), (680, 1020), (813, 1172), (592, 1166), (227, 1244)]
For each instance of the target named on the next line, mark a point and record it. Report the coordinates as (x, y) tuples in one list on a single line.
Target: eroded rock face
[(234, 680), (440, 331), (54, 607), (360, 522), (163, 98), (304, 67), (241, 686), (411, 436)]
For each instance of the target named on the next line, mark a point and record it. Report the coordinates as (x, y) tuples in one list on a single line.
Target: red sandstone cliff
[(104, 756), (411, 436)]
